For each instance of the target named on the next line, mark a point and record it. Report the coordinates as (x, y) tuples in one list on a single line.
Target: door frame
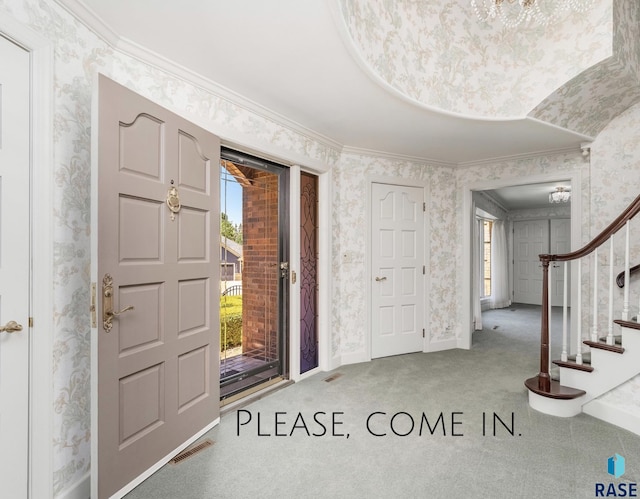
[(368, 276), (41, 237), (464, 279)]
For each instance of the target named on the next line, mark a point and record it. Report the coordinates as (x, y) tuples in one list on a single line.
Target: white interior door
[(397, 270), (530, 239), (560, 243), (14, 268), (157, 350)]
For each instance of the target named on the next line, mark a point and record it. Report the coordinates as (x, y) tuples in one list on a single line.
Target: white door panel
[(560, 244), (397, 285), (530, 239), (14, 268)]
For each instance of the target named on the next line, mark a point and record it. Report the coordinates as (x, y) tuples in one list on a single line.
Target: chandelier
[(560, 195), (512, 13)]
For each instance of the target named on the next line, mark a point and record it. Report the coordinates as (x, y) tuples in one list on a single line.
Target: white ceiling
[(529, 196), (292, 58)]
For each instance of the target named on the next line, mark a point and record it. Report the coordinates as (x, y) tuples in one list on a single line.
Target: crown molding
[(517, 157), (397, 157), (91, 20), (87, 16)]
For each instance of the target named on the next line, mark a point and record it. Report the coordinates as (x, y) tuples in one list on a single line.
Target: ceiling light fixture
[(560, 195), (513, 13)]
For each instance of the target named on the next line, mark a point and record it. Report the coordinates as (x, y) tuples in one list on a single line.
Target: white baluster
[(594, 330), (549, 288), (579, 314), (565, 307), (627, 275), (611, 280)]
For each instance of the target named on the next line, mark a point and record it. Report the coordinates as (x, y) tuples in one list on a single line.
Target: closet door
[(560, 244), (530, 239)]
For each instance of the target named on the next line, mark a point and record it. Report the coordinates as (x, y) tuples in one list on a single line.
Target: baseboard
[(614, 415), (355, 358), (438, 346), (79, 490), (334, 363)]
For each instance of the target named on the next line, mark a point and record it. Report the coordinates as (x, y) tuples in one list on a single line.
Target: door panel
[(530, 239), (308, 272), (157, 365), (14, 267), (397, 232), (560, 243)]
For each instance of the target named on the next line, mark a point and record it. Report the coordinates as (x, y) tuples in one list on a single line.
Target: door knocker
[(173, 201)]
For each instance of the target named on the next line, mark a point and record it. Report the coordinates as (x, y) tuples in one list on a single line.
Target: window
[(486, 269)]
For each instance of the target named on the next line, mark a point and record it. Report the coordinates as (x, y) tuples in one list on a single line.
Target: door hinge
[(424, 207), (30, 321), (424, 269), (92, 308), (423, 332)]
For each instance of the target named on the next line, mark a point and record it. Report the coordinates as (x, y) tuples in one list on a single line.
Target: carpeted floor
[(417, 425)]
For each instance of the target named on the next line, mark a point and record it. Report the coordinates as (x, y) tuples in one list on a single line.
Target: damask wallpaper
[(463, 73), (438, 54)]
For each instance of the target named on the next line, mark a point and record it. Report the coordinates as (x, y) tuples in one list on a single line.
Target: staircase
[(602, 362)]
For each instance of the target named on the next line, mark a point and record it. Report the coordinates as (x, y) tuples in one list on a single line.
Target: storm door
[(253, 271)]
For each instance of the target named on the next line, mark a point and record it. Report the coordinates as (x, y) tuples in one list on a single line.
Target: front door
[(397, 271), (14, 269), (157, 286)]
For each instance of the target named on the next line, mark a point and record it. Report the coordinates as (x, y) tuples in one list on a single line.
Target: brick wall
[(261, 271)]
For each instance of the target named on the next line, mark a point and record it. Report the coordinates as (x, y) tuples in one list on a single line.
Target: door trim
[(41, 237), (464, 279), (404, 182)]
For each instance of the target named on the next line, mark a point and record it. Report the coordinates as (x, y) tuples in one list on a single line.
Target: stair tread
[(604, 346), (556, 391), (632, 324), (573, 365)]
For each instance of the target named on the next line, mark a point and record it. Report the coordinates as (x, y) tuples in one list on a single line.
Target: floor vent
[(190, 452), (333, 377)]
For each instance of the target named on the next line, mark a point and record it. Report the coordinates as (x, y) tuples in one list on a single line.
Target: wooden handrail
[(632, 210), (544, 380), (620, 278)]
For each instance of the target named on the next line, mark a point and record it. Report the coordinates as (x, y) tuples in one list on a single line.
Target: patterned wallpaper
[(589, 101), (438, 54), (79, 54)]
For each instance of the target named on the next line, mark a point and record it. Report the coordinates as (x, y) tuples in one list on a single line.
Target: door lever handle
[(379, 279), (107, 304), (125, 309), (11, 327)]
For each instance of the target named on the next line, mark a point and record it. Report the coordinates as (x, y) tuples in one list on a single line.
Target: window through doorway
[(253, 271)]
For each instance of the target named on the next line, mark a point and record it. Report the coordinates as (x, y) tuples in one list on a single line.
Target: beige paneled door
[(397, 269), (14, 269), (157, 287)]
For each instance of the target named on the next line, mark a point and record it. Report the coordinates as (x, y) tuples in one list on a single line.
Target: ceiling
[(295, 60), (529, 196)]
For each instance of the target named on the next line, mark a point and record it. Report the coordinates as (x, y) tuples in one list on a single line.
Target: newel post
[(544, 380)]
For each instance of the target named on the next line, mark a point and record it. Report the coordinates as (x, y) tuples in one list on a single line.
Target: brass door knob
[(11, 327)]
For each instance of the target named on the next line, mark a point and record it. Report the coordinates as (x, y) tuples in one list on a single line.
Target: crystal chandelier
[(560, 195), (512, 13)]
